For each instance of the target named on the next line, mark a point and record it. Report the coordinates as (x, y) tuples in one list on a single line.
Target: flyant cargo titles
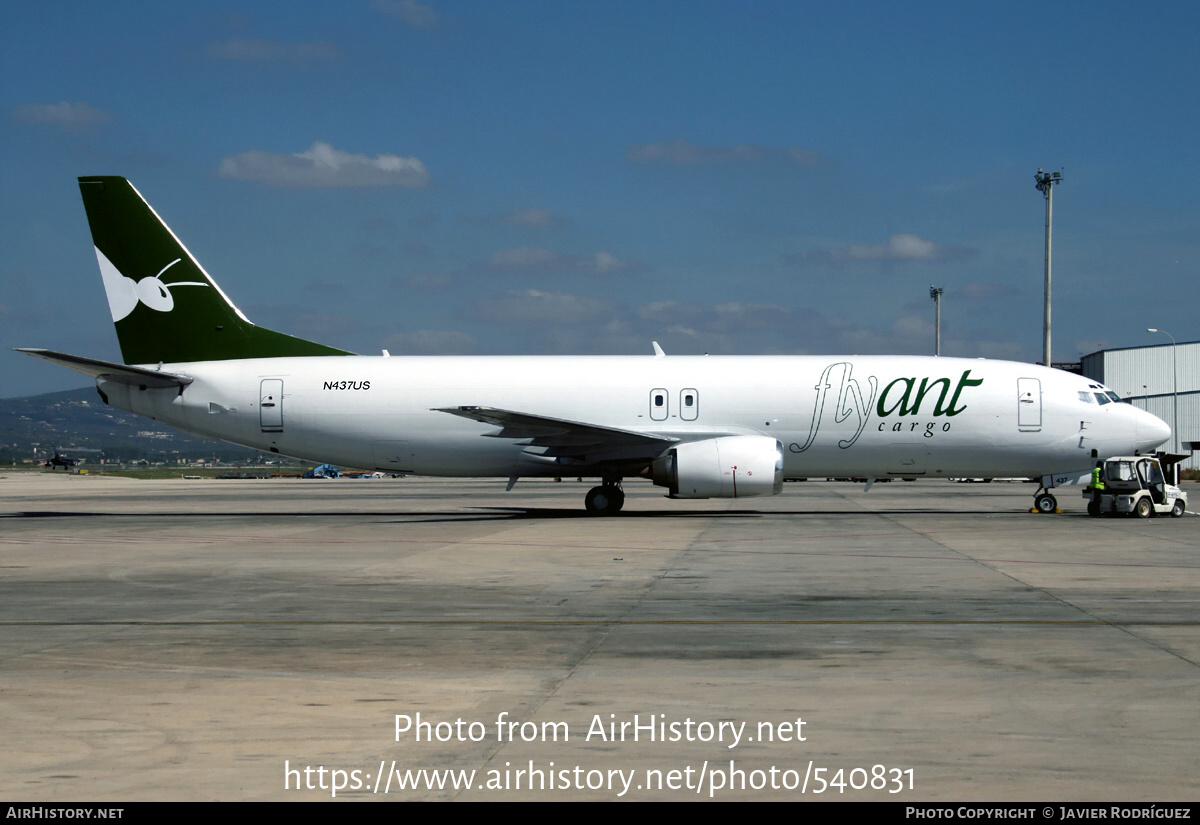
[(900, 397)]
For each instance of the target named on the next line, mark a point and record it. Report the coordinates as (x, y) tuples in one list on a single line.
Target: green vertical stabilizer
[(165, 306)]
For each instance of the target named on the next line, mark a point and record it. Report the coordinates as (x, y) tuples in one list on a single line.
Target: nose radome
[(1151, 431)]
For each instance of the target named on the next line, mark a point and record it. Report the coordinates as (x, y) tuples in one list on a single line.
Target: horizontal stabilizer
[(120, 373)]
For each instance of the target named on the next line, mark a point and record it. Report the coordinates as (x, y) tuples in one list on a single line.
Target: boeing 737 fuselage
[(701, 426)]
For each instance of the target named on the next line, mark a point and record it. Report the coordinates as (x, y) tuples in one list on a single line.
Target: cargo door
[(1029, 404), (270, 405)]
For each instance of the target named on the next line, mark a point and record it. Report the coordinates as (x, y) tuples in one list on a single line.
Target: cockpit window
[(1086, 397), (1116, 398), (1101, 398)]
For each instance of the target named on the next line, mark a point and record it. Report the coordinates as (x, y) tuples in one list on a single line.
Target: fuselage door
[(1029, 404), (270, 405)]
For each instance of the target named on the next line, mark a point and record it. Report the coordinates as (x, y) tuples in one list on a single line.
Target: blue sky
[(451, 177)]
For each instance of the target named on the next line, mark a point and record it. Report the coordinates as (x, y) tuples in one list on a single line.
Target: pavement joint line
[(991, 565), (1092, 622), (587, 654)]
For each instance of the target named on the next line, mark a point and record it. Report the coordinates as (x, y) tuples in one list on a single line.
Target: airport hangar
[(1156, 378)]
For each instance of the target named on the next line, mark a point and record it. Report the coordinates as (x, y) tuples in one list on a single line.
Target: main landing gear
[(605, 500)]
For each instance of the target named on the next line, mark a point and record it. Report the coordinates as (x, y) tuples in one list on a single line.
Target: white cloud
[(900, 247), (431, 342), (729, 318), (532, 258), (685, 153), (267, 51), (532, 306), (547, 322), (324, 166), (915, 334), (913, 327), (531, 218), (73, 117), (603, 263), (732, 327), (529, 257), (410, 11)]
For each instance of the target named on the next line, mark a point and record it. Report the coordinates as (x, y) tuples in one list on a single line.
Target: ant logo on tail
[(124, 293)]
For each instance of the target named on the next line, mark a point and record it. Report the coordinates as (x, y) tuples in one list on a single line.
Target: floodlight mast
[(1045, 185), (1175, 443), (935, 292)]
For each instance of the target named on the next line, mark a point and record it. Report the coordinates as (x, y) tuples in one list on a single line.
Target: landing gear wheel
[(606, 500), (1045, 503), (1144, 507), (1177, 508)]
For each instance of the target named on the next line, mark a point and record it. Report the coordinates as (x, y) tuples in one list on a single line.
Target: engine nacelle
[(732, 466)]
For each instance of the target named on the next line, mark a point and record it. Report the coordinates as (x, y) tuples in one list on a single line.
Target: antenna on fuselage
[(935, 292)]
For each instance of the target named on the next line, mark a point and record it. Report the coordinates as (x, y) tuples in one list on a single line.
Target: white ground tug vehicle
[(1135, 485)]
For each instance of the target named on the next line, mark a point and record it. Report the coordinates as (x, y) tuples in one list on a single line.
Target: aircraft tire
[(1045, 503), (605, 500)]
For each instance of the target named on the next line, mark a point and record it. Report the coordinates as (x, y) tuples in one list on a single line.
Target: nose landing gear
[(1044, 502)]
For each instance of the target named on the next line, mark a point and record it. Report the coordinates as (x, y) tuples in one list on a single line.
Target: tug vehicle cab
[(1135, 485)]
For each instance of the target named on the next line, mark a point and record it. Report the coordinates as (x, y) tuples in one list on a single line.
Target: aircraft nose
[(1151, 431)]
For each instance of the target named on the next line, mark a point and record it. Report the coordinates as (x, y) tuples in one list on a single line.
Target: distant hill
[(79, 420)]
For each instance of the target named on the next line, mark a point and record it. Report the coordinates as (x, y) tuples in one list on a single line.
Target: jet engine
[(728, 467)]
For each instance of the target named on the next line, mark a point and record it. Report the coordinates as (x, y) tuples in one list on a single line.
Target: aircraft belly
[(967, 445)]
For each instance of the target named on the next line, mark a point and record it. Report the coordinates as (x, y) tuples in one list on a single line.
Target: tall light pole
[(1174, 391), (1045, 185), (936, 294)]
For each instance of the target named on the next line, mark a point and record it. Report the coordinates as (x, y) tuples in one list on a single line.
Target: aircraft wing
[(554, 437), (121, 373)]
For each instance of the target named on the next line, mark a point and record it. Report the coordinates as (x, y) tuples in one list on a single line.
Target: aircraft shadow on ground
[(517, 513)]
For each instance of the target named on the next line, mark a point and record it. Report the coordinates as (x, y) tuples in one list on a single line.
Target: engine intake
[(732, 466)]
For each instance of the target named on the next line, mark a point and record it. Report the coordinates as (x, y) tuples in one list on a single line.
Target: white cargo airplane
[(701, 426)]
